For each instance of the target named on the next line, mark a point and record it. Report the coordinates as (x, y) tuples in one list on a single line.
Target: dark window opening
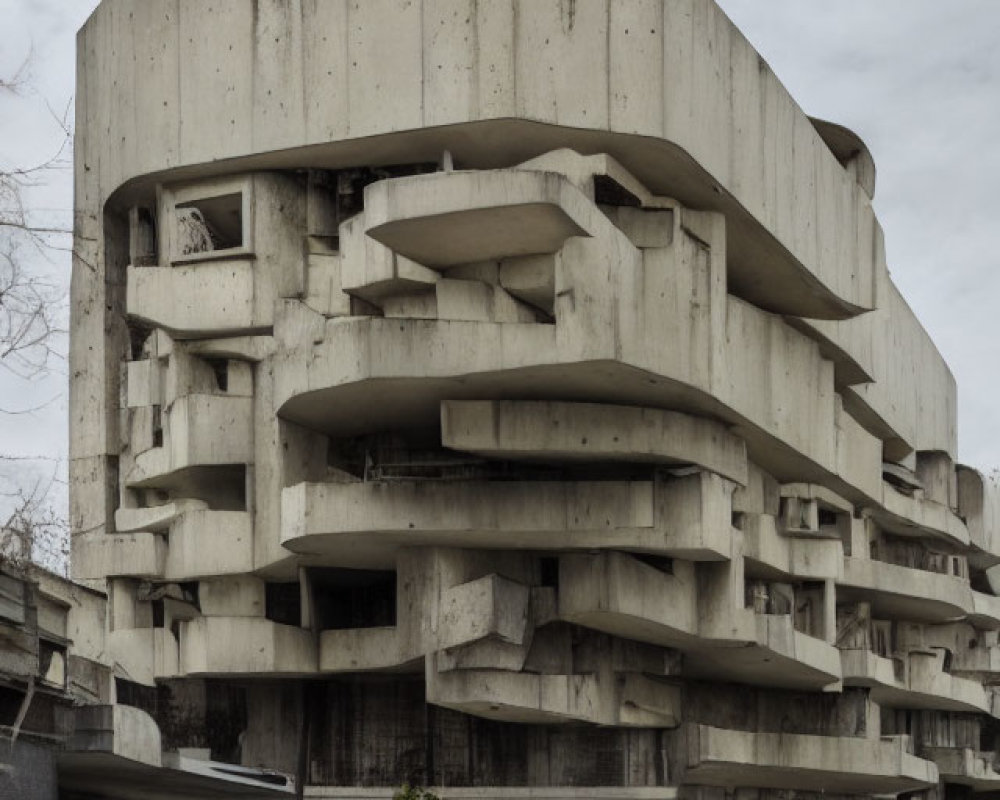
[(661, 563), (979, 581), (52, 663), (158, 613), (137, 335), (142, 237), (220, 367), (353, 598), (157, 427), (190, 591), (283, 603), (827, 517), (129, 693), (608, 192), (549, 568), (209, 224)]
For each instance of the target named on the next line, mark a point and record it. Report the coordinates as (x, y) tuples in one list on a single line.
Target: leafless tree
[(31, 339)]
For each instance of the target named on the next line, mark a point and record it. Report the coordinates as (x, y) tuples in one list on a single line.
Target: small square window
[(208, 225)]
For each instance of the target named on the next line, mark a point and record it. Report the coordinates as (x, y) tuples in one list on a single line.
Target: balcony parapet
[(965, 767), (912, 684), (245, 646), (688, 517), (499, 792), (917, 516), (98, 555), (719, 757), (801, 556), (175, 298), (633, 701), (200, 430), (898, 592), (520, 430), (620, 595)]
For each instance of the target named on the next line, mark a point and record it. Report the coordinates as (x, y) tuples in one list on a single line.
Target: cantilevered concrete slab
[(586, 432)]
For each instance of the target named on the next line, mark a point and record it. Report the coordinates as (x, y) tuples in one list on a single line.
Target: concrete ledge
[(499, 792), (775, 654), (718, 757), (938, 691), (359, 650), (965, 767), (591, 432), (175, 298), (450, 218), (915, 516), (621, 595), (907, 593), (202, 430), (99, 555), (517, 696), (205, 544), (245, 645)]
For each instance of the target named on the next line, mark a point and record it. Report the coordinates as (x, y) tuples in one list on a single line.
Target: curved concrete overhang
[(849, 149), (377, 83)]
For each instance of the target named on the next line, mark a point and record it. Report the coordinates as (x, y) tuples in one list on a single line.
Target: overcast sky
[(918, 80)]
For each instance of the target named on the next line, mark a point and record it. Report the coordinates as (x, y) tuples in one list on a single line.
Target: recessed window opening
[(282, 603), (209, 224), (157, 427), (220, 367), (354, 598), (827, 517)]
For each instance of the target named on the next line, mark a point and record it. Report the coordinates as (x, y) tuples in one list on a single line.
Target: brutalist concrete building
[(506, 397)]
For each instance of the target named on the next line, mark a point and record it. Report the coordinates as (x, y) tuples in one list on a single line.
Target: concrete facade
[(509, 398)]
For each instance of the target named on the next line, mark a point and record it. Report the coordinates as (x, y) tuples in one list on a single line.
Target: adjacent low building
[(509, 399)]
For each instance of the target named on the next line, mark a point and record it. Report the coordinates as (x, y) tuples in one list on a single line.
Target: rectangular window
[(208, 225)]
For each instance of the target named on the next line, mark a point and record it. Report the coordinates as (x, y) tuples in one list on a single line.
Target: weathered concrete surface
[(508, 397)]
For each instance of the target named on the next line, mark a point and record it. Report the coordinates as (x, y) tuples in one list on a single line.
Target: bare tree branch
[(32, 337)]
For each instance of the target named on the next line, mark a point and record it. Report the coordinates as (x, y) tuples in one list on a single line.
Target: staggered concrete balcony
[(500, 792), (97, 554), (898, 592), (687, 517), (145, 655), (621, 595), (363, 650), (203, 287), (177, 546), (488, 621), (979, 504), (810, 556), (719, 757), (632, 700), (174, 298), (605, 318), (919, 516), (979, 660), (591, 433), (200, 430), (245, 646), (966, 767), (915, 680), (767, 650)]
